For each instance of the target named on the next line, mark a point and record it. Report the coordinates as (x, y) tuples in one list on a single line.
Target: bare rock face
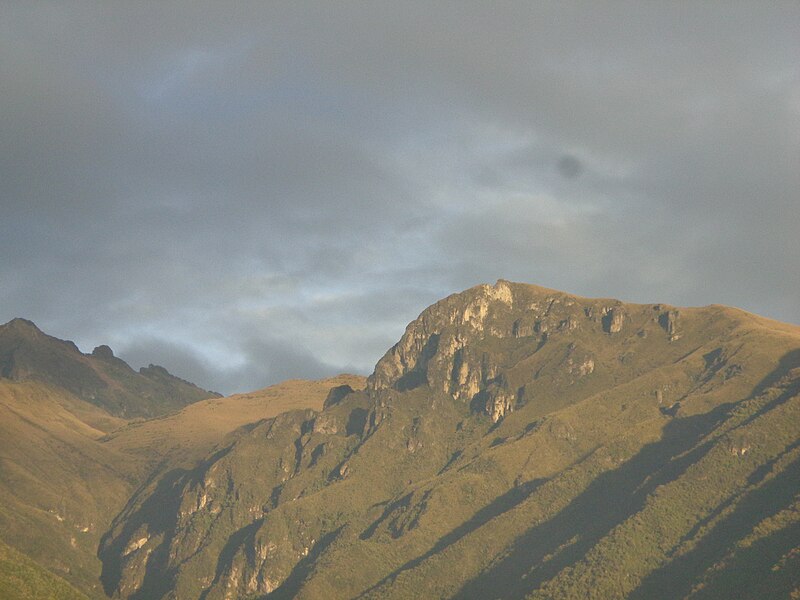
[(585, 367), (669, 321), (326, 423), (426, 354), (103, 352), (613, 320), (499, 403), (460, 346)]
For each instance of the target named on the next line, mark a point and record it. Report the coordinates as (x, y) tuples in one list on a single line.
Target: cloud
[(260, 360), (279, 189)]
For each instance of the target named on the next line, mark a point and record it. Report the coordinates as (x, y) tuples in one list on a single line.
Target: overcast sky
[(247, 192)]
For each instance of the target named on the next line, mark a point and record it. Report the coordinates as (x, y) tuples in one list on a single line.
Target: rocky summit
[(517, 442)]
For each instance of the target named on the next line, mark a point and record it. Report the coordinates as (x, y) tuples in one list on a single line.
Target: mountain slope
[(69, 462), (59, 485), (185, 437), (516, 442), (23, 579), (100, 378)]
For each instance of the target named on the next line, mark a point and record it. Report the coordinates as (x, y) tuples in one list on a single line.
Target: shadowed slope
[(515, 441), (100, 378)]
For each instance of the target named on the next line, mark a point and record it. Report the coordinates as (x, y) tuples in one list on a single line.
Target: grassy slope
[(64, 476), (23, 579), (589, 489), (99, 378), (190, 434), (59, 485), (646, 491)]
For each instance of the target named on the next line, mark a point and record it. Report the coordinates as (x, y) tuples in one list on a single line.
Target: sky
[(250, 192)]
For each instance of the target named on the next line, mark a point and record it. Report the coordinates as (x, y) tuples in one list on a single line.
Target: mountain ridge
[(516, 441), (99, 377)]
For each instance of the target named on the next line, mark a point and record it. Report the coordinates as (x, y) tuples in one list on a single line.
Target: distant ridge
[(68, 464), (28, 354)]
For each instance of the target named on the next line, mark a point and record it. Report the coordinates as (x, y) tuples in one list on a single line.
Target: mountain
[(188, 436), (67, 467), (60, 486), (100, 378), (517, 442), (69, 461)]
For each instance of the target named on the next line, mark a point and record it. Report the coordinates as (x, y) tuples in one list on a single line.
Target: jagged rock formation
[(516, 442), (670, 322), (613, 320), (28, 354), (446, 347)]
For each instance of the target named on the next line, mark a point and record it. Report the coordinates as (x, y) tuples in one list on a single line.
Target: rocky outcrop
[(450, 346), (613, 319), (326, 423), (431, 341), (103, 352), (669, 321), (499, 403)]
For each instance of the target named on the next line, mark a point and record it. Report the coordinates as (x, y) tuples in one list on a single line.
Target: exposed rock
[(613, 320), (336, 395), (739, 449), (669, 321), (326, 423), (135, 545), (467, 378), (585, 367), (568, 324), (520, 329), (498, 405), (103, 352), (152, 370), (413, 444), (431, 341)]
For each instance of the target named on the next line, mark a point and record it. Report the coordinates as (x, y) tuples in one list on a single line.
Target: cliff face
[(517, 441), (468, 345)]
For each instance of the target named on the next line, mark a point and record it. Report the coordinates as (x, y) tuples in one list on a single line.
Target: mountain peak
[(20, 324), (444, 329), (100, 378), (472, 345), (103, 352), (516, 442)]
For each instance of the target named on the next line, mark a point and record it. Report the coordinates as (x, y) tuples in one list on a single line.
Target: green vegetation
[(517, 442), (23, 579), (637, 452), (68, 466)]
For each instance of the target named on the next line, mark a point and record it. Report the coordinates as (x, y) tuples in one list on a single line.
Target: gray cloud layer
[(253, 192)]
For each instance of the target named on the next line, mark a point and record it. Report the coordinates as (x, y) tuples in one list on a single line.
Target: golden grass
[(192, 432)]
